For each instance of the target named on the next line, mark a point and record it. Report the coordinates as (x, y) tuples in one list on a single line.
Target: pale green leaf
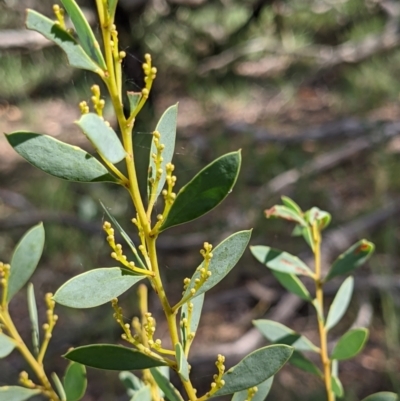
[(58, 158), (280, 261), (25, 259), (95, 287), (340, 303), (144, 394), (225, 257), (33, 317), (6, 345), (166, 127), (76, 56), (103, 137), (275, 332), (16, 393), (84, 32), (255, 368)]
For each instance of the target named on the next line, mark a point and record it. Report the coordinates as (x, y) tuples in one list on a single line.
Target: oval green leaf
[(183, 366), (225, 257), (84, 32), (167, 130), (6, 345), (112, 357), (255, 368), (275, 332), (171, 393), (58, 158), (382, 396), (348, 261), (280, 261), (95, 287), (75, 381), (16, 393), (350, 344), (136, 258), (103, 137), (340, 303), (50, 30), (261, 394), (33, 317), (293, 284), (25, 259), (205, 191)]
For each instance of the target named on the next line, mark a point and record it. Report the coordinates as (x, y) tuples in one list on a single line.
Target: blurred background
[(308, 89)]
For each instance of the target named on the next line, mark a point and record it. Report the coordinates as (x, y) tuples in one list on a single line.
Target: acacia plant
[(148, 177), (288, 269)]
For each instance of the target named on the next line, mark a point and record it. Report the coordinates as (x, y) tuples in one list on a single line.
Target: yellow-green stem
[(323, 334), (169, 314), (36, 366)]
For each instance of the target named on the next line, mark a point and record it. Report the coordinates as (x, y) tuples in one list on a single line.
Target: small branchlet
[(150, 73), (218, 382), (118, 254), (48, 326)]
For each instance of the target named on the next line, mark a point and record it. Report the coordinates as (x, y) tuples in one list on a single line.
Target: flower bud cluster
[(218, 382), (98, 103), (51, 317), (25, 380), (251, 392), (59, 13), (169, 195), (149, 75), (4, 274), (157, 159), (117, 253), (83, 106)]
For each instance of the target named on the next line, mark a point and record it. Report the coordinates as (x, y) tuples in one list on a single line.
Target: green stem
[(323, 334)]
